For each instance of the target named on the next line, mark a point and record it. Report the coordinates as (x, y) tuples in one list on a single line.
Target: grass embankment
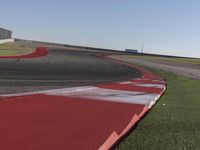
[(14, 49), (195, 61), (174, 123)]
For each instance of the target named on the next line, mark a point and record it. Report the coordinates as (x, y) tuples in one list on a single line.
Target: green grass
[(13, 49), (174, 122), (195, 61)]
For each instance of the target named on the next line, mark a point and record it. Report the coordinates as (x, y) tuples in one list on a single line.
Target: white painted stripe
[(101, 94), (161, 86), (110, 95), (157, 98), (46, 91)]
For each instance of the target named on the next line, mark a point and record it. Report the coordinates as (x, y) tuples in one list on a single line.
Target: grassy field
[(195, 61), (174, 123), (13, 49)]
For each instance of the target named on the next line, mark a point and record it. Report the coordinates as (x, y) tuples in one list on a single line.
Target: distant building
[(131, 51), (5, 34)]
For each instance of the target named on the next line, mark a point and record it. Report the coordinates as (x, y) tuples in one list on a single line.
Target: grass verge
[(14, 49), (174, 122)]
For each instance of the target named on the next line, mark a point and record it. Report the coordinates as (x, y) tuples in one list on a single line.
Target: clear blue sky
[(164, 26)]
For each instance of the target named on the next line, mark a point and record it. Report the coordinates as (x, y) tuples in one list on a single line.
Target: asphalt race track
[(60, 68), (179, 68)]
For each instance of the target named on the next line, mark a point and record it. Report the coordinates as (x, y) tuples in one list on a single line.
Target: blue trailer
[(131, 51)]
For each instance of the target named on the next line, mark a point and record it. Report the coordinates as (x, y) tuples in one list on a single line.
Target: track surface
[(60, 68), (91, 117), (180, 68)]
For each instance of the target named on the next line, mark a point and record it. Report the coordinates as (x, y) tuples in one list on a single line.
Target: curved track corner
[(95, 117)]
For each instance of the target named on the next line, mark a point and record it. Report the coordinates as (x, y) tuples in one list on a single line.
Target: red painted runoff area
[(46, 122), (39, 52), (84, 118)]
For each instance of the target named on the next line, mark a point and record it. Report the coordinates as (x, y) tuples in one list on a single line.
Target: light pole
[(142, 51)]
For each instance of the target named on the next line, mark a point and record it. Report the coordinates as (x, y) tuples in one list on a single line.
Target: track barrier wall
[(6, 41), (50, 44)]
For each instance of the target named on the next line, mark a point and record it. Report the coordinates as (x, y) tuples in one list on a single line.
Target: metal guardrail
[(40, 43)]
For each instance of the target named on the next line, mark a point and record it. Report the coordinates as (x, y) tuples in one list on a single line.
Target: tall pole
[(142, 48)]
